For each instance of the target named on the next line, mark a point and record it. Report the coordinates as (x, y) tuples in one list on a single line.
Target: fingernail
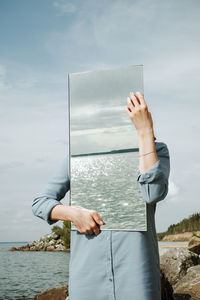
[(102, 223)]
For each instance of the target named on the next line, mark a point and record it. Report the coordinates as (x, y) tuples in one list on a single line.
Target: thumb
[(98, 219)]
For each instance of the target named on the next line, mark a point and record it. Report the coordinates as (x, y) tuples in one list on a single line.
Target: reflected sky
[(98, 121)]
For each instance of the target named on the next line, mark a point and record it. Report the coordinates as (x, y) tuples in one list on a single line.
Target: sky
[(41, 42)]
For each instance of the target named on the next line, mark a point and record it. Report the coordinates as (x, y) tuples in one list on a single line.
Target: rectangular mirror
[(104, 153)]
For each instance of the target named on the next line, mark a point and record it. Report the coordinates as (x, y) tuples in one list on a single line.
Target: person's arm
[(55, 190), (154, 182), (47, 205), (154, 164)]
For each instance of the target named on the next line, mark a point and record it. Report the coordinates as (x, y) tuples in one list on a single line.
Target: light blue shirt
[(114, 265)]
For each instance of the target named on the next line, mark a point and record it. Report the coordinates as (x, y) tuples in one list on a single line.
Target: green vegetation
[(160, 235), (63, 232), (192, 223)]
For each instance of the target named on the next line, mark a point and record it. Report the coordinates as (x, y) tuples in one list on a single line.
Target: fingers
[(128, 111), (135, 102), (97, 221), (97, 218), (140, 96), (134, 98), (94, 229)]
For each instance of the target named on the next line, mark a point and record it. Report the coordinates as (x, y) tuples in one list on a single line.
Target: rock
[(50, 248), (166, 288), (194, 245), (60, 247), (189, 285), (13, 249), (40, 245), (52, 242), (55, 236), (60, 242), (58, 293), (31, 244), (49, 242), (175, 262)]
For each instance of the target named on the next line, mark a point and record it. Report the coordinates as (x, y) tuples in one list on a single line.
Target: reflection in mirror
[(104, 154)]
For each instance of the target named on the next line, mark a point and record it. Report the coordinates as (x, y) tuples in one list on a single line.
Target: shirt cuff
[(154, 173)]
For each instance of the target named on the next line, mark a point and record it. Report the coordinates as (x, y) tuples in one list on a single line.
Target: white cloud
[(173, 189), (65, 7), (116, 129), (4, 85)]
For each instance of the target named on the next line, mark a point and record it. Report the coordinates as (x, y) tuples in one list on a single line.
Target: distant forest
[(192, 223)]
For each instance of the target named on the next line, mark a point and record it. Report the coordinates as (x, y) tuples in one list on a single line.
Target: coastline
[(167, 245), (180, 237)]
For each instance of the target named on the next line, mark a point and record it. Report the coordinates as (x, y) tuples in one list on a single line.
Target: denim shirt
[(114, 265)]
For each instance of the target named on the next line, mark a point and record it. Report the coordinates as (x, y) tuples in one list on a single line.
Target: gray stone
[(194, 245), (175, 262), (189, 285), (52, 242), (50, 248), (60, 247)]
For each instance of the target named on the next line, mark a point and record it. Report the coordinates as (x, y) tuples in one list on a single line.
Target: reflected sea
[(108, 184)]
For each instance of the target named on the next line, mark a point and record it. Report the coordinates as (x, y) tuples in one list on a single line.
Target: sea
[(26, 273)]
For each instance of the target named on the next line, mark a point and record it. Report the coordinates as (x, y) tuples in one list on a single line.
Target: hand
[(138, 113), (86, 220)]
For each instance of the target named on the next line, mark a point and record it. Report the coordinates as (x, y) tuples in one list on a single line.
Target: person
[(110, 264)]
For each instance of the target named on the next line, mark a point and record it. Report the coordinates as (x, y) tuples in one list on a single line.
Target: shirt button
[(110, 279)]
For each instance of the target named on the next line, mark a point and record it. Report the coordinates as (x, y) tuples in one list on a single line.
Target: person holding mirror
[(117, 265)]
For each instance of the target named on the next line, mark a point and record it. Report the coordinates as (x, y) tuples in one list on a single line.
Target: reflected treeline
[(108, 152)]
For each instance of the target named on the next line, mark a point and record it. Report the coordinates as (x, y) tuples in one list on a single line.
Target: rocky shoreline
[(179, 267), (49, 242), (53, 242), (179, 275)]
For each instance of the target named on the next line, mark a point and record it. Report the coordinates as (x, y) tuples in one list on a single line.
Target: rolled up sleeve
[(55, 190), (154, 183)]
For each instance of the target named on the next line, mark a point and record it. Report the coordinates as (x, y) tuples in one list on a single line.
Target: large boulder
[(189, 285), (175, 262), (194, 245), (58, 293)]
